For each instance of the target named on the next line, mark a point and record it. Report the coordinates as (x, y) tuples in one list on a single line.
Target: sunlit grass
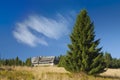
[(46, 73), (6, 74)]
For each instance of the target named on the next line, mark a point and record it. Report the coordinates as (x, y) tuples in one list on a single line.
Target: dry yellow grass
[(112, 73), (43, 73), (59, 73), (10, 73)]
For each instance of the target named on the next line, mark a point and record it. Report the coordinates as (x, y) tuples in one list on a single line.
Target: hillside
[(51, 73)]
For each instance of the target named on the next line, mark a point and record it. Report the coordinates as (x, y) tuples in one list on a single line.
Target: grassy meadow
[(52, 73)]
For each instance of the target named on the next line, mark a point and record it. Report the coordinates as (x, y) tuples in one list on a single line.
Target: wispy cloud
[(50, 28), (22, 34)]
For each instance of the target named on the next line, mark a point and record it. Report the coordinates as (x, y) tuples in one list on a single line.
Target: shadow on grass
[(2, 69)]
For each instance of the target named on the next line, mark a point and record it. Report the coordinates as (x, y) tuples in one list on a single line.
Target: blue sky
[(42, 27)]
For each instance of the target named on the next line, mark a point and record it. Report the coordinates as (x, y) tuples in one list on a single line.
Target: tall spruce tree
[(84, 54)]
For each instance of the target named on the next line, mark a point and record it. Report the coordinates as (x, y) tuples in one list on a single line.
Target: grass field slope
[(52, 73)]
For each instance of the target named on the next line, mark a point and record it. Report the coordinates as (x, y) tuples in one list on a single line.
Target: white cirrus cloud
[(50, 28), (22, 34)]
